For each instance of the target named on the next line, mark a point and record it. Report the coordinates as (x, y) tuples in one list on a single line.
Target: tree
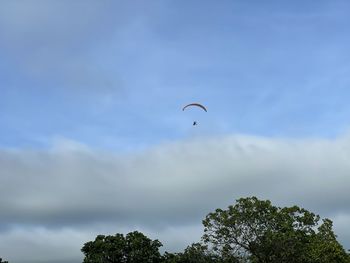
[(325, 248), (140, 248), (171, 257), (196, 253), (3, 261), (259, 232), (133, 248)]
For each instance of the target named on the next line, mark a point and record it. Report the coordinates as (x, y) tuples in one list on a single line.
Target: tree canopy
[(259, 232), (250, 231), (135, 247)]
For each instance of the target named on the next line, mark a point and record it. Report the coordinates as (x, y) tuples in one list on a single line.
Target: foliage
[(250, 231), (256, 230), (171, 257), (196, 253), (325, 248), (133, 248), (3, 261)]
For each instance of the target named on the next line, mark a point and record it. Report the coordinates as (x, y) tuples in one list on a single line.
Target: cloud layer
[(57, 199)]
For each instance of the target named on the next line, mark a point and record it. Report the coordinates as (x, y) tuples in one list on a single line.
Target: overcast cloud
[(54, 201)]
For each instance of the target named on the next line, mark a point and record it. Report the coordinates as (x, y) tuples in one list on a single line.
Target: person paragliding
[(195, 105)]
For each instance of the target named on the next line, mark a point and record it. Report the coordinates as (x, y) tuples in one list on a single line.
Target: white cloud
[(40, 245), (167, 189)]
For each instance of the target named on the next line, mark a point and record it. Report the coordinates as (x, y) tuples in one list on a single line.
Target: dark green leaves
[(259, 232), (133, 248)]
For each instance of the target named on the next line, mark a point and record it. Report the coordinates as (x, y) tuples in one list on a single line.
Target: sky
[(93, 139)]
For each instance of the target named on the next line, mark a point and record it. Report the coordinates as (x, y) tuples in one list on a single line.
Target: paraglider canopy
[(195, 105)]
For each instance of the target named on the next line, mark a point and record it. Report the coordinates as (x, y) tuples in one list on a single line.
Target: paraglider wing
[(194, 104)]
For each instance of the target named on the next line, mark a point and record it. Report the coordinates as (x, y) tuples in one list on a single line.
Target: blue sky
[(266, 68), (90, 111)]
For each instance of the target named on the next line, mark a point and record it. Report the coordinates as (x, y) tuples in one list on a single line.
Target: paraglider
[(195, 105)]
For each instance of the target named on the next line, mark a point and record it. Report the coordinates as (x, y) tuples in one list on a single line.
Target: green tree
[(200, 253), (171, 257), (140, 248), (196, 253), (133, 248), (3, 261), (325, 247), (259, 232)]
